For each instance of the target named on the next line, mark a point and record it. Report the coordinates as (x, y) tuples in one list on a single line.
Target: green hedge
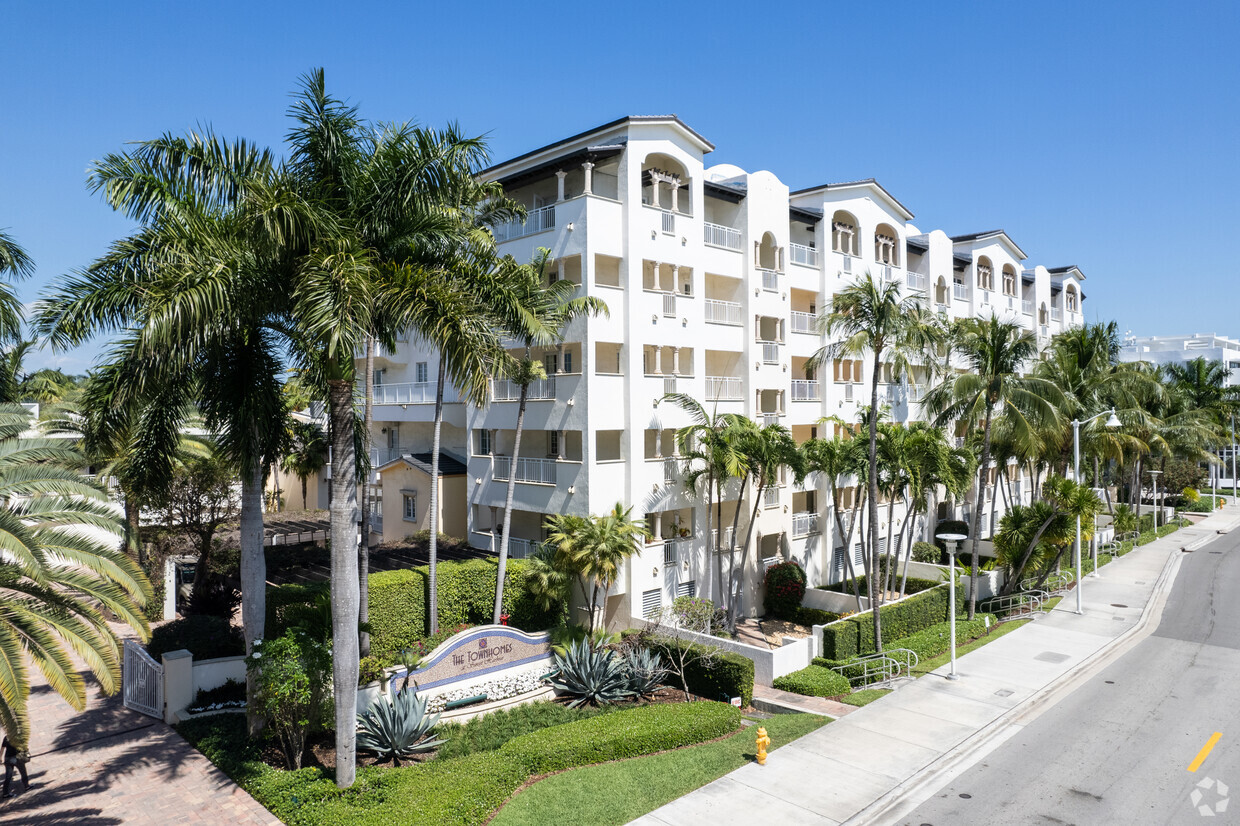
[(813, 616), (814, 681), (628, 733), (203, 636), (915, 585), (730, 675), (1203, 505), (936, 639), (854, 636)]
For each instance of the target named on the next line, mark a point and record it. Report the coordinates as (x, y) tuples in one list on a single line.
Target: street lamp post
[(949, 538), (1076, 473), (1154, 473)]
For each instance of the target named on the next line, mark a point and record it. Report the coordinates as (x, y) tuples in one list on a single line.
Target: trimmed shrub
[(926, 552), (785, 588), (204, 636), (628, 733), (728, 675), (491, 731), (915, 585), (936, 639), (854, 636), (814, 681), (1199, 505), (289, 606), (814, 616)]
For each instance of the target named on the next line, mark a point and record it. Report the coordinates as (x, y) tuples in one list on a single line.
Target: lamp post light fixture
[(1112, 422), (949, 538), (1154, 474)]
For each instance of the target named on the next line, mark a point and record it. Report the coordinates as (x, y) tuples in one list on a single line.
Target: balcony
[(916, 392), (770, 352), (771, 418), (723, 541), (1026, 306), (960, 292), (848, 392), (504, 390), (1056, 314), (724, 388), (804, 323), (531, 471), (669, 305), (806, 390), (804, 524), (409, 392), (770, 281), (520, 548), (537, 220), (671, 470), (724, 312), (717, 235), (916, 281), (669, 222), (803, 255)]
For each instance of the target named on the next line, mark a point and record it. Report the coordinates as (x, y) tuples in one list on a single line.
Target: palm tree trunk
[(977, 512), (849, 571), (253, 581), (344, 579), (907, 533), (873, 504), (753, 520), (723, 603), (502, 571), (363, 554), (736, 522), (889, 574), (303, 492), (133, 526), (433, 514)]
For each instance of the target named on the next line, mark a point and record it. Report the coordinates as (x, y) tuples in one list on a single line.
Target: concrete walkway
[(109, 765), (880, 760)]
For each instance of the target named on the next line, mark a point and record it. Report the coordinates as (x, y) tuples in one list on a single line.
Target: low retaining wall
[(768, 663), (209, 674)]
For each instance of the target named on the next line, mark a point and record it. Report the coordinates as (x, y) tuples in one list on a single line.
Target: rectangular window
[(409, 501), (549, 364), (420, 373), (553, 443), (376, 500), (686, 589), (652, 603), (378, 378), (568, 362), (484, 442)]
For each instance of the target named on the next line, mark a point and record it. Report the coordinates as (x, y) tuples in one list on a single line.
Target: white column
[(559, 443), (675, 196), (675, 361), (495, 523), (588, 168), (658, 444), (559, 184), (559, 362), (675, 276), (658, 524), (494, 443), (657, 367)]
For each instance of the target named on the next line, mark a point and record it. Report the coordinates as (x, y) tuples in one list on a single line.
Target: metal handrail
[(879, 668), (1017, 603)]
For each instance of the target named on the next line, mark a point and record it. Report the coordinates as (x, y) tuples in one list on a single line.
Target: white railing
[(916, 392), (959, 441), (1026, 306), (671, 471), (771, 418), (985, 297), (519, 548), (722, 541), (803, 524), (770, 352), (533, 471), (1056, 314), (669, 223), (916, 281), (669, 305), (941, 309), (506, 390), (960, 291), (806, 390), (886, 272), (1011, 302), (803, 255), (770, 497), (142, 681), (803, 322), (770, 281), (848, 392), (537, 220), (716, 235), (671, 551), (723, 312), (847, 266), (669, 385), (889, 393), (723, 388), (408, 392)]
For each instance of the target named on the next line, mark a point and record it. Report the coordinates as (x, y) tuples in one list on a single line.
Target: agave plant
[(646, 672), (397, 728), (591, 675)]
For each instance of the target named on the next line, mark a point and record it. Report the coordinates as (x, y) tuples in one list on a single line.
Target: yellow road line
[(1205, 751)]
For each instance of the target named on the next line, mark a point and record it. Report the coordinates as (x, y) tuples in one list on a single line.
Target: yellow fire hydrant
[(763, 742)]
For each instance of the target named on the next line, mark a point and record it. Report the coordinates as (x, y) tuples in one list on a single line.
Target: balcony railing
[(669, 305), (916, 392), (770, 352), (506, 390), (409, 392), (806, 390), (770, 281), (519, 548), (847, 265), (804, 322), (532, 471), (723, 312), (671, 470), (1056, 314), (669, 385), (671, 551), (960, 291), (770, 497), (848, 392), (724, 388), (1026, 306), (771, 418), (722, 541), (716, 235), (669, 223), (537, 220), (803, 524), (916, 281), (803, 255)]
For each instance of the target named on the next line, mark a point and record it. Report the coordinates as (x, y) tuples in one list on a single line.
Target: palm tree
[(994, 351), (56, 579), (929, 462), (307, 454), (548, 310), (596, 546), (835, 458), (871, 317), (15, 263)]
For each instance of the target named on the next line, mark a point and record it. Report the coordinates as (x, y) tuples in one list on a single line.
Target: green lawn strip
[(926, 666), (864, 696), (615, 793)]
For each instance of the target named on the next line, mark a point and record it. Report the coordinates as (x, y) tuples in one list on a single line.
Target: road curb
[(913, 791)]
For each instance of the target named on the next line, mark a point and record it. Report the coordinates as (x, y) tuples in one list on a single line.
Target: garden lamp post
[(1154, 475), (1112, 422), (949, 538)]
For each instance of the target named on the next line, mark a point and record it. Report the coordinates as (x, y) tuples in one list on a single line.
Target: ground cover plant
[(814, 681), (864, 696), (491, 731)]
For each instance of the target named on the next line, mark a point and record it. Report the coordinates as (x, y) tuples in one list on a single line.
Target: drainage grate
[(1051, 657), (1004, 692)]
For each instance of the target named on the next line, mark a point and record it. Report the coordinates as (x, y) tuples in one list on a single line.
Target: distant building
[(1182, 349)]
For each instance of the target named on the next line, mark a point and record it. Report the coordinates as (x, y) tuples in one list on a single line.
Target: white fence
[(723, 388), (770, 281), (803, 524), (916, 281), (770, 352), (803, 322), (715, 235), (803, 255), (408, 392), (506, 390), (534, 471), (723, 312), (806, 390), (143, 681), (537, 220)]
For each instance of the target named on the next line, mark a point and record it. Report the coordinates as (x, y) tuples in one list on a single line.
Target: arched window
[(886, 245), (666, 184), (1009, 280), (844, 233), (985, 274), (1070, 299), (766, 254), (1042, 315), (940, 291)]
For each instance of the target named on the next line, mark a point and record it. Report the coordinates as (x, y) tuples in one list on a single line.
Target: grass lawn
[(615, 793), (864, 696), (926, 666)]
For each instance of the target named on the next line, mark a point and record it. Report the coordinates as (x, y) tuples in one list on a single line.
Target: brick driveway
[(110, 765)]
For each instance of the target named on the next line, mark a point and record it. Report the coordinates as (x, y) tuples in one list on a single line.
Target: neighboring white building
[(713, 277), (1183, 349)]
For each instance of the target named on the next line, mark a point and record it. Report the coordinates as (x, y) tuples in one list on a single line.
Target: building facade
[(1162, 350), (714, 278)]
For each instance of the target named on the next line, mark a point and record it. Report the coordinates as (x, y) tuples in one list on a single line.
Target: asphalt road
[(1118, 749)]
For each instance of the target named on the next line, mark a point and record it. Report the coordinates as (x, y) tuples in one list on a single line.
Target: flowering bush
[(698, 614), (785, 588), (511, 685), (293, 688)]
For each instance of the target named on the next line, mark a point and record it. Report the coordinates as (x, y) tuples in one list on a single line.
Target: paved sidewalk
[(860, 768), (109, 765)]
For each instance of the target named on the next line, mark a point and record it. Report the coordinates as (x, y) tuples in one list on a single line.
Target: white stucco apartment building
[(713, 277), (1183, 349)]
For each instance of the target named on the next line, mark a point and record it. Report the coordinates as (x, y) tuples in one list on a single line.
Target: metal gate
[(143, 681)]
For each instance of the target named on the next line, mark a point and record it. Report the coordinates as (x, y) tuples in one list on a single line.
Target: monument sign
[(485, 649)]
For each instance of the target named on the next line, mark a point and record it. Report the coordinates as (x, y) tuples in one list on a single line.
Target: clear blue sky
[(1096, 134)]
